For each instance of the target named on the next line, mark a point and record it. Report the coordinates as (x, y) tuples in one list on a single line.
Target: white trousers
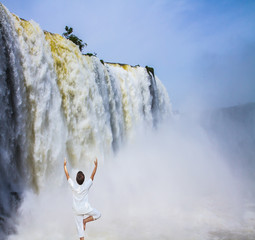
[(79, 220)]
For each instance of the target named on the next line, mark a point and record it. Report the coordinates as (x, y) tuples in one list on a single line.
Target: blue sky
[(202, 51)]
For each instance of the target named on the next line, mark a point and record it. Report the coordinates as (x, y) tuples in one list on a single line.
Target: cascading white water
[(77, 105), (58, 102), (13, 126), (47, 132)]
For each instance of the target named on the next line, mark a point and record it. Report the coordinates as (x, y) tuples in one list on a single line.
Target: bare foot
[(84, 224)]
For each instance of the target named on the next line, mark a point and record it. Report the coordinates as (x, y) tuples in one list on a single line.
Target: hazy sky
[(202, 51)]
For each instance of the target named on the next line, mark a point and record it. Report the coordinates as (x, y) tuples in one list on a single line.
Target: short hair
[(80, 177)]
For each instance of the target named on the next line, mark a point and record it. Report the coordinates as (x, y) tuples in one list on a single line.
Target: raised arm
[(66, 172), (94, 170)]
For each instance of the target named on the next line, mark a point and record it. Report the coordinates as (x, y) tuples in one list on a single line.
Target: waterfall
[(57, 102), (13, 124)]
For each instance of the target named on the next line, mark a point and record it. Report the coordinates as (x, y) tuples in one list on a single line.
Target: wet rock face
[(8, 215)]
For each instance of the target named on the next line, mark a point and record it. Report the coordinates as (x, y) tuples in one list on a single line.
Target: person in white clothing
[(83, 212)]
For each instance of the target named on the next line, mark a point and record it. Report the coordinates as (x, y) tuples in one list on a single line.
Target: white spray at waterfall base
[(167, 184)]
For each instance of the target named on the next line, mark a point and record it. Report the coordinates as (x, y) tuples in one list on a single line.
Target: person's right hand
[(95, 162), (65, 162)]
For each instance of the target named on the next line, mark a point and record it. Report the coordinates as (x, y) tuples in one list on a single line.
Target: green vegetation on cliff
[(69, 35), (150, 70)]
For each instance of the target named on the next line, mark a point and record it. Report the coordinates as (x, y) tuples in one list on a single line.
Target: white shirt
[(80, 196)]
